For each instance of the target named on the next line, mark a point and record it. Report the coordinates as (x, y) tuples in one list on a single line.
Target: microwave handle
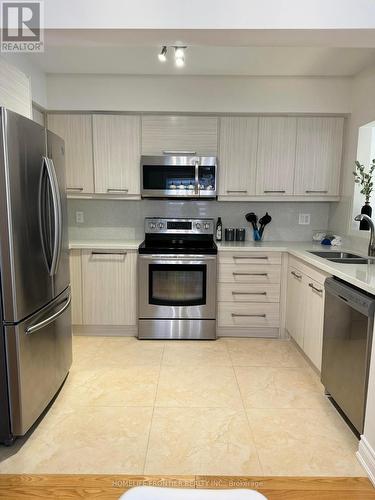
[(196, 177), (178, 152)]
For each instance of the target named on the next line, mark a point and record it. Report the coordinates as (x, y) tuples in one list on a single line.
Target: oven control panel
[(156, 225)]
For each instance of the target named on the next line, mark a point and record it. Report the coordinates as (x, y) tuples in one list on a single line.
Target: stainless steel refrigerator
[(36, 337)]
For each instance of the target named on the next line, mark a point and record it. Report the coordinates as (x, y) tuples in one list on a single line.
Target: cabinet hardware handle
[(249, 293), (249, 257), (235, 315), (274, 191), (109, 253), (250, 274), (316, 191), (319, 290), (74, 188), (298, 276), (237, 191), (178, 152), (117, 190)]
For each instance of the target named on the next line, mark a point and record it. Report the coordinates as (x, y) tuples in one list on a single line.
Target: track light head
[(163, 54), (179, 56)]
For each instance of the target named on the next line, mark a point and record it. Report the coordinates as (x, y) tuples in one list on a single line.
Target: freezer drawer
[(39, 355)]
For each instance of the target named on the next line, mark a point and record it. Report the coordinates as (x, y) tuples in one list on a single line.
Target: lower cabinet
[(104, 284), (305, 309), (249, 294), (76, 285)]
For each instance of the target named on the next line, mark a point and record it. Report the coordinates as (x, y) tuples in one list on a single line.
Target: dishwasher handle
[(351, 295)]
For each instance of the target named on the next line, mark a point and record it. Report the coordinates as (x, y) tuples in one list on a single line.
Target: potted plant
[(363, 177)]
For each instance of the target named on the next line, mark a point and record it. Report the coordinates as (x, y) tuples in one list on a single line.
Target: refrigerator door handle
[(31, 329), (57, 214)]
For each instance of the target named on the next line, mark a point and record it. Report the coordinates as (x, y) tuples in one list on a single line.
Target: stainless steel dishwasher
[(347, 339)]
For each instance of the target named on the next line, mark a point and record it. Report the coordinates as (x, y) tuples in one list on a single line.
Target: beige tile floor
[(234, 406)]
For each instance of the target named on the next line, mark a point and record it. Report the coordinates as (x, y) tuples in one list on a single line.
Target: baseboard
[(105, 330), (273, 333), (366, 457)]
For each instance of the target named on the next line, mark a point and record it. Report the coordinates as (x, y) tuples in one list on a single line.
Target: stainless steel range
[(177, 279)]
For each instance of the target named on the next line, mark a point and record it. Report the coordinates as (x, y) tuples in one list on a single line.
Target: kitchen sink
[(342, 257)]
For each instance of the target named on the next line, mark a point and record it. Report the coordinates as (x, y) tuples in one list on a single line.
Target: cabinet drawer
[(233, 273), (242, 258), (243, 292), (248, 315)]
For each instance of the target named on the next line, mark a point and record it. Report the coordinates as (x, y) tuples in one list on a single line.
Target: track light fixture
[(179, 55), (163, 54)]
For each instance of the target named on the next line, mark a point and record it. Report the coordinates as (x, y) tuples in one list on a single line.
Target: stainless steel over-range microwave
[(178, 176)]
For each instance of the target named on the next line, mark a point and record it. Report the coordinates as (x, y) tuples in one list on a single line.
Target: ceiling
[(207, 60), (288, 52)]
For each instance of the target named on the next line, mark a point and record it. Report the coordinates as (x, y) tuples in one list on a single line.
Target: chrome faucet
[(371, 245)]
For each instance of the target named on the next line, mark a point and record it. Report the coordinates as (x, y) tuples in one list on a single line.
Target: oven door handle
[(171, 259)]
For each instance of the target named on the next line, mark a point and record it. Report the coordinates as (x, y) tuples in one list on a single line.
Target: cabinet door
[(109, 287), (76, 286), (313, 328), (276, 156), (193, 134), (76, 130), (295, 305), (117, 154), (318, 156), (237, 156)]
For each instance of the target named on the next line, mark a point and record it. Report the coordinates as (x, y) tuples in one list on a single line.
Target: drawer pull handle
[(250, 274), (236, 315), (109, 253), (249, 293), (274, 191), (298, 276), (117, 190), (319, 290), (74, 188), (237, 191), (311, 191), (248, 257)]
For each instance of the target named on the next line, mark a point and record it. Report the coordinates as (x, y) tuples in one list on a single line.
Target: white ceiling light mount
[(179, 54)]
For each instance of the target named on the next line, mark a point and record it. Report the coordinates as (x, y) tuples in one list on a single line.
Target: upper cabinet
[(117, 154), (167, 134), (259, 158), (15, 89), (76, 130), (237, 156), (276, 156), (318, 156)]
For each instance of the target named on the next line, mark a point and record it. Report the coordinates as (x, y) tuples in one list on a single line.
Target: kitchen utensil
[(240, 234), (253, 219), (263, 221), (229, 234)]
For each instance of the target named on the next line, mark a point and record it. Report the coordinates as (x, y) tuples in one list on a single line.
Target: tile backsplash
[(118, 219)]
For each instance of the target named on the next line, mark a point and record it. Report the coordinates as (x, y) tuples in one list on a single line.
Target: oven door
[(177, 287)]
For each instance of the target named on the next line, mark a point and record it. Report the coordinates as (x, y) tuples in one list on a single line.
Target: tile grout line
[(246, 415), (153, 409)]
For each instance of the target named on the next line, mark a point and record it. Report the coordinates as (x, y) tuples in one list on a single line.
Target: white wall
[(199, 94), (37, 76), (363, 112)]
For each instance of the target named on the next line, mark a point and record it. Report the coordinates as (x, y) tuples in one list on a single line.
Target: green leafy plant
[(363, 177)]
